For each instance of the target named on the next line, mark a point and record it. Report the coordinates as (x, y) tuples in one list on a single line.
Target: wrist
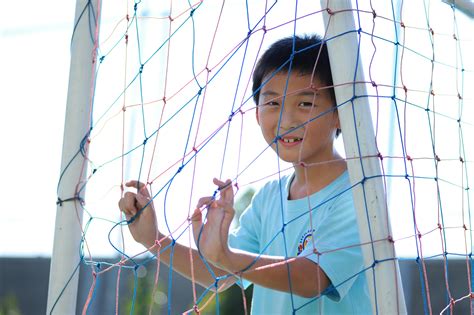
[(227, 260)]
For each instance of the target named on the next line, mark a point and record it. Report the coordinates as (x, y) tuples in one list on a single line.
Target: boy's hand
[(211, 237), (144, 228)]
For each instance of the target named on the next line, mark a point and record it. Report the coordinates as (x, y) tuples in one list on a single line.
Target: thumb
[(196, 220)]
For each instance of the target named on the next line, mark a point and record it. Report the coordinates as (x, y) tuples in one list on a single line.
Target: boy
[(302, 225)]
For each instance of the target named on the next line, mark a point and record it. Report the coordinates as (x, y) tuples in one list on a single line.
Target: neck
[(314, 177)]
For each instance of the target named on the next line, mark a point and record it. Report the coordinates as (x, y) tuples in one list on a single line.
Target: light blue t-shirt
[(330, 225)]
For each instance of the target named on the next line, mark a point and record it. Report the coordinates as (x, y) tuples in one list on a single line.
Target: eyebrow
[(301, 93)]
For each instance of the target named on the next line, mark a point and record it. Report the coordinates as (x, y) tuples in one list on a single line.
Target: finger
[(204, 202), (226, 191), (197, 215), (139, 186), (129, 203), (128, 214), (222, 185)]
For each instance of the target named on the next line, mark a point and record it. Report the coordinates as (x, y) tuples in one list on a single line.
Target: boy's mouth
[(290, 140)]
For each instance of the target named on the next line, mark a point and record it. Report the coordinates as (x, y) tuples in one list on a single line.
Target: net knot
[(264, 29), (409, 158), (402, 24), (380, 156), (329, 11), (196, 309), (60, 201), (158, 243), (374, 84), (170, 18), (374, 14)]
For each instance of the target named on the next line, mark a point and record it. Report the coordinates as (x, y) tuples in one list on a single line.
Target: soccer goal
[(161, 92)]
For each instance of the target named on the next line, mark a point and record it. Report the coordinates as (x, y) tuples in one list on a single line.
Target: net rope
[(172, 108)]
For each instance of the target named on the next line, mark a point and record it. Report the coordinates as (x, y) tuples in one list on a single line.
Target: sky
[(34, 65)]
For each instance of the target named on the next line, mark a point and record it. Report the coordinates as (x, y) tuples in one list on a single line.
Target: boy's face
[(301, 125)]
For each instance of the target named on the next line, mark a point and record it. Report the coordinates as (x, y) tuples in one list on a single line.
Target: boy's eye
[(306, 104), (271, 103)]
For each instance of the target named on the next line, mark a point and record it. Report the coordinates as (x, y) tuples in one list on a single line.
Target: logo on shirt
[(304, 240)]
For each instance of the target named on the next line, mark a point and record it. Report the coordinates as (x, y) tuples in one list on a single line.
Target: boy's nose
[(288, 120)]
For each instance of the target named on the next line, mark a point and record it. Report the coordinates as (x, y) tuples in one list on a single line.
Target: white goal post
[(384, 278), (65, 259)]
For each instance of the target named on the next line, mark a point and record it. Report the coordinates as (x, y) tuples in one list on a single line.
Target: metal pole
[(383, 278), (65, 260)]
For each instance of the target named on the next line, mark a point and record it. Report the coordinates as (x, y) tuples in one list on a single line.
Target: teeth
[(291, 140)]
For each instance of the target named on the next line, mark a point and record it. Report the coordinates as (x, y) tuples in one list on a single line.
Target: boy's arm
[(144, 230), (298, 275)]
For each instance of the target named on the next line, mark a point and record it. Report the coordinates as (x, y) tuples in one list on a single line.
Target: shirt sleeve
[(336, 239)]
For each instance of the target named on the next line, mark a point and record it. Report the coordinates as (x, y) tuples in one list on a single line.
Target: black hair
[(304, 50)]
